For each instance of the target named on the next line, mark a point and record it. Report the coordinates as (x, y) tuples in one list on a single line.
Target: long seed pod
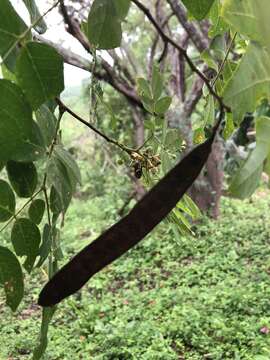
[(122, 236)]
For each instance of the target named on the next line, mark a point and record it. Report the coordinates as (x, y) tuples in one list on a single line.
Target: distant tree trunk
[(207, 190), (190, 35)]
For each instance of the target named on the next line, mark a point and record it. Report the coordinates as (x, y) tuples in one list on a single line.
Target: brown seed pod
[(125, 234)]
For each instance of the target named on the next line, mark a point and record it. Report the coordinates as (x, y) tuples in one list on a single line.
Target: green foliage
[(104, 28), (7, 201), (229, 127), (39, 70), (249, 83), (47, 123), (35, 16), (247, 178), (218, 25), (199, 9), (250, 18), (25, 237), (32, 76), (151, 95), (62, 184), (23, 178), (11, 278), (165, 299), (70, 164), (11, 27), (46, 245), (14, 135), (36, 210)]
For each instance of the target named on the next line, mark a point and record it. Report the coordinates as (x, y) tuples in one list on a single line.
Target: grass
[(195, 298)]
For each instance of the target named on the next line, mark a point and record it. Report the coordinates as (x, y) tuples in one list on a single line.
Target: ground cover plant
[(205, 297), (176, 104)]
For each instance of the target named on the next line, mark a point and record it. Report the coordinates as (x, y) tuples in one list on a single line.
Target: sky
[(57, 34)]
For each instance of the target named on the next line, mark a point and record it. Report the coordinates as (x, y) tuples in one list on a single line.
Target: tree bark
[(206, 192)]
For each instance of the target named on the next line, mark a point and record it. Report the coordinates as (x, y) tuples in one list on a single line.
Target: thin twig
[(182, 51), (145, 142), (93, 128), (224, 60), (21, 209)]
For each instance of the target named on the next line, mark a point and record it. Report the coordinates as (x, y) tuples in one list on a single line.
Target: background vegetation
[(200, 297), (205, 297), (161, 74)]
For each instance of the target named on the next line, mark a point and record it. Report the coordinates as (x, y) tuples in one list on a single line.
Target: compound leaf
[(11, 278), (25, 237)]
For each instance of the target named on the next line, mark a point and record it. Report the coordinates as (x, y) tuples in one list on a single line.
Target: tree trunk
[(207, 189), (206, 192)]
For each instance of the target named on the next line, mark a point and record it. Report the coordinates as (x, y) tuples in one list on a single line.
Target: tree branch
[(200, 42), (168, 40), (69, 57), (111, 77)]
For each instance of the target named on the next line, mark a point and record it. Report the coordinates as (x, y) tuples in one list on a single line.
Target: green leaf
[(209, 113), (143, 88), (7, 201), (229, 127), (32, 149), (218, 47), (70, 164), (244, 187), (104, 28), (23, 178), (190, 207), (219, 26), (148, 104), (10, 62), (46, 245), (156, 83), (198, 136), (2, 164), (7, 74), (173, 140), (247, 178), (122, 8), (250, 82), (162, 105), (11, 278), (266, 168), (250, 18), (36, 211), (11, 26), (166, 162), (40, 72), (16, 124), (179, 220), (35, 15), (55, 202), (199, 9), (208, 59), (60, 179), (47, 123), (25, 237)]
